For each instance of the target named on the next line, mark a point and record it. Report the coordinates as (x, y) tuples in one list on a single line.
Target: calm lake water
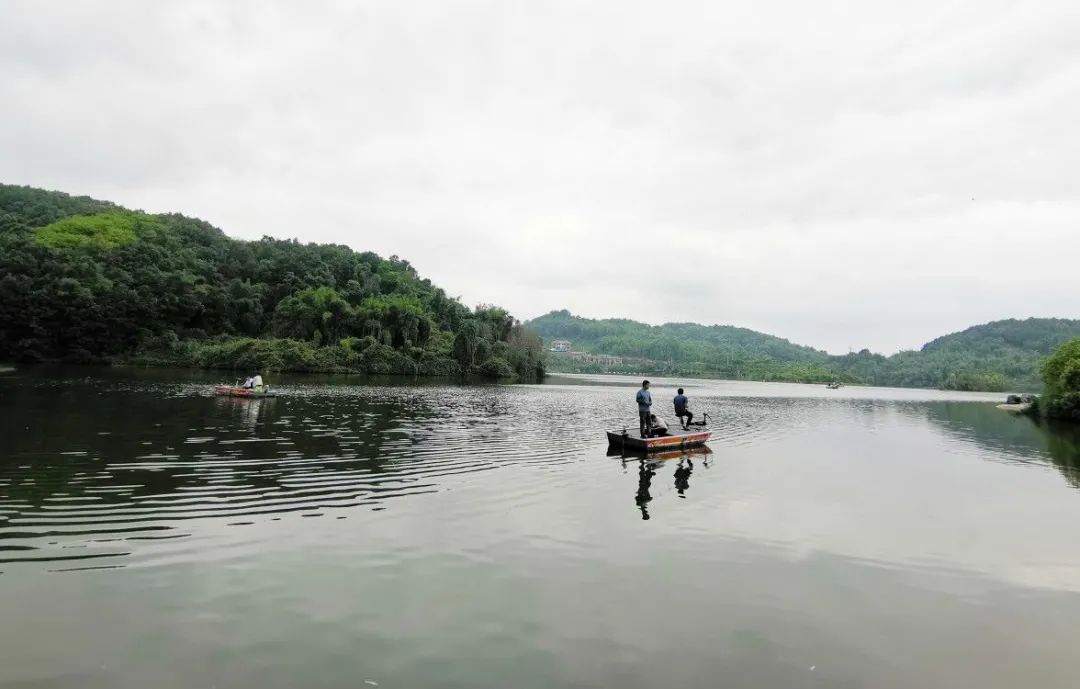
[(352, 532)]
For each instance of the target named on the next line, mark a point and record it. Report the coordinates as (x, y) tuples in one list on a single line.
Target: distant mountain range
[(995, 356)]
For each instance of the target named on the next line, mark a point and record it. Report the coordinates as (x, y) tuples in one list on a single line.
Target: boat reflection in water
[(248, 411), (648, 464)]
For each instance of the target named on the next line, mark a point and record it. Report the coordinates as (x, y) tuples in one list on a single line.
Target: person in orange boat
[(682, 411), (644, 405)]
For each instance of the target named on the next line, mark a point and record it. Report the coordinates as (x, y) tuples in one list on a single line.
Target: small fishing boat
[(676, 440), (234, 391), (833, 386)]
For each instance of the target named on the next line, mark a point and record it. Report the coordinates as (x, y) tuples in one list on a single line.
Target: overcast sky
[(843, 174)]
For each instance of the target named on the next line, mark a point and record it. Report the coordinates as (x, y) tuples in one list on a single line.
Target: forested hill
[(678, 341), (995, 356), (86, 281), (721, 350), (1039, 335)]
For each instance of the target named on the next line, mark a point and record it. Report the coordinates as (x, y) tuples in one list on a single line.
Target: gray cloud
[(843, 174)]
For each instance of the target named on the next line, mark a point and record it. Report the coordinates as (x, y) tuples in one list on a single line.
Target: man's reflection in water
[(682, 476), (645, 475)]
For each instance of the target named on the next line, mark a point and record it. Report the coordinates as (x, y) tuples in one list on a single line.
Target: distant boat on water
[(234, 391)]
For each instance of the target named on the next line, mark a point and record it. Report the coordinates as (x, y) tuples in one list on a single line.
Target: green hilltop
[(996, 356), (87, 281)]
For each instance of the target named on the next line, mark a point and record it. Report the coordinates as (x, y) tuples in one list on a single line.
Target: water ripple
[(175, 455), (116, 469)]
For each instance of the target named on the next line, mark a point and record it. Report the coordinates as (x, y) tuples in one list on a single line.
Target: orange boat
[(233, 391), (679, 440)]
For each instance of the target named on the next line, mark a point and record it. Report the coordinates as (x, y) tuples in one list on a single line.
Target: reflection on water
[(1011, 437), (422, 534), (647, 466), (1063, 445), (682, 476), (646, 471)]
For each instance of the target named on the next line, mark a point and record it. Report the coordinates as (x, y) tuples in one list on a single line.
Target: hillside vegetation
[(87, 281), (1061, 380), (685, 348), (995, 356), (999, 355)]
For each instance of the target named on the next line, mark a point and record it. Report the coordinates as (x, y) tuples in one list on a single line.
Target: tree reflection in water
[(1017, 437)]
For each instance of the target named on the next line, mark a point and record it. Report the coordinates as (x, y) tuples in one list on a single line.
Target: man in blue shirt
[(681, 402), (644, 407)]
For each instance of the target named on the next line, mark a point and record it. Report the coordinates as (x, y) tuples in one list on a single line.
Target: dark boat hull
[(679, 440)]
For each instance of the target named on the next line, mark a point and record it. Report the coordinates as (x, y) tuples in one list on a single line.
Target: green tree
[(465, 345), (314, 312), (1061, 378)]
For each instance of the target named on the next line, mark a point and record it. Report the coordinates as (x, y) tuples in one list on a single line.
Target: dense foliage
[(995, 356), (83, 280), (1061, 377), (975, 380)]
